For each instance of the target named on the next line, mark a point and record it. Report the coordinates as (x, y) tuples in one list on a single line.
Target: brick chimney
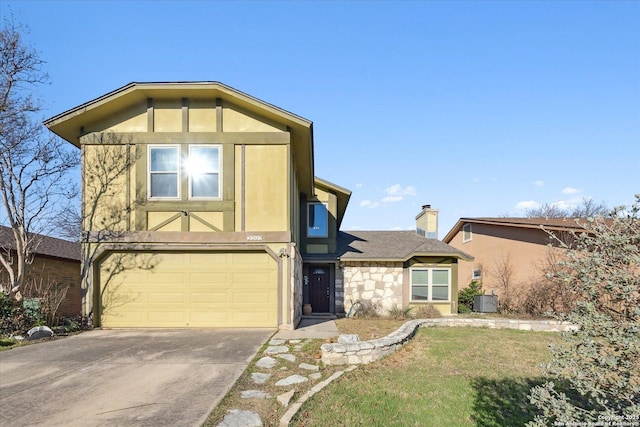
[(427, 222)]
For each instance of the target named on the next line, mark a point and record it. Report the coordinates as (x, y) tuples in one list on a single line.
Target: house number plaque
[(254, 237)]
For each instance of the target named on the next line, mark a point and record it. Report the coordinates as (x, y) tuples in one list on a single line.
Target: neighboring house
[(510, 254), (56, 262), (218, 219)]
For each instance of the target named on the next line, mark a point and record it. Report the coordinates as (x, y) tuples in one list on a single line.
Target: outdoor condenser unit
[(485, 304)]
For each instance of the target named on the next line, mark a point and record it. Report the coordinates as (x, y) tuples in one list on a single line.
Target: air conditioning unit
[(485, 304)]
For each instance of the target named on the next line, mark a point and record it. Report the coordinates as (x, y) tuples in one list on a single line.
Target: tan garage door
[(192, 289)]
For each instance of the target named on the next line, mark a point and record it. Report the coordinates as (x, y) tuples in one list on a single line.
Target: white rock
[(266, 362), (276, 349), (309, 367), (254, 394), (285, 398), (259, 377), (238, 418), (293, 379)]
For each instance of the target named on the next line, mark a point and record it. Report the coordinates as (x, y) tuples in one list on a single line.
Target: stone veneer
[(376, 283), (363, 352)]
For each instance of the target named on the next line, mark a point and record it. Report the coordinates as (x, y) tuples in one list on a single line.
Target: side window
[(203, 168), (466, 233), (317, 220), (164, 172)]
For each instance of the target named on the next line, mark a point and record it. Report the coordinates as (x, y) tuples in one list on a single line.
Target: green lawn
[(443, 377)]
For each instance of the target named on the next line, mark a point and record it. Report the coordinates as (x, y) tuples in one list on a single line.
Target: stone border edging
[(286, 418), (363, 352)]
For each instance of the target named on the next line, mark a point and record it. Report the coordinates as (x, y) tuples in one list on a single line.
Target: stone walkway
[(282, 347)]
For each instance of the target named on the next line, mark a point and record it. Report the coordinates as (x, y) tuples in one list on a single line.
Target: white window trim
[(478, 276), (219, 147), (429, 285), (464, 227), (178, 178), (327, 227)]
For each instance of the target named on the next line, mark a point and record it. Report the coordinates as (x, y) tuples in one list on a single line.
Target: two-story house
[(201, 209)]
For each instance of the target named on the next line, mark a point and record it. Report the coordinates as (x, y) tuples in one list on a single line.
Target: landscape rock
[(259, 377), (238, 418), (285, 398), (39, 332), (276, 349), (254, 394), (348, 339), (315, 376), (276, 341), (266, 362), (287, 356), (309, 367), (291, 380)]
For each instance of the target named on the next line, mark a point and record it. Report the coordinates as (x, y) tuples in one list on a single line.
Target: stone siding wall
[(350, 352), (378, 284)]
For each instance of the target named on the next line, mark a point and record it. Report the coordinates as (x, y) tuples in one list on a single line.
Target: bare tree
[(587, 209), (33, 164), (503, 278)]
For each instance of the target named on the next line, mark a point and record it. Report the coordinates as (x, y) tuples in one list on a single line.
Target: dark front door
[(319, 290)]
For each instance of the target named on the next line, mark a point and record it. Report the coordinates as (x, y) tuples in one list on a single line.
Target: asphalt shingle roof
[(390, 245), (50, 246)]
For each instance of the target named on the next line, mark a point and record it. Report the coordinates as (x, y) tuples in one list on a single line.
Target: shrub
[(600, 360), (14, 318), (466, 296), (426, 311), (398, 312)]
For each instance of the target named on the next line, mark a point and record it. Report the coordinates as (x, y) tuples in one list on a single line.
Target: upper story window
[(164, 172), (466, 233), (317, 220), (201, 166), (430, 284)]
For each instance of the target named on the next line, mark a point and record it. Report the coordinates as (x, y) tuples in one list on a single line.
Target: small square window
[(476, 274), (466, 233)]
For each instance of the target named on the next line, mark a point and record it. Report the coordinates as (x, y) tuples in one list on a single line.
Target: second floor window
[(164, 172), (318, 220), (204, 172), (200, 165)]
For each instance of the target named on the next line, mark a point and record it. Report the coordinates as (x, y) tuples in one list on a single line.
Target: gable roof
[(69, 124), (391, 246), (342, 194), (555, 224), (49, 246)]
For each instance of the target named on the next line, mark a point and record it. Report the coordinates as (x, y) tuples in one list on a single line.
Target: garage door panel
[(195, 290), (208, 279)]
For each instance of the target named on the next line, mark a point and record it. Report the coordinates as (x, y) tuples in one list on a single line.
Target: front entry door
[(319, 290)]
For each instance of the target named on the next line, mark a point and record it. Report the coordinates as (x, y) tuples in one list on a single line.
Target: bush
[(466, 296), (600, 360), (399, 313), (14, 318), (426, 311)]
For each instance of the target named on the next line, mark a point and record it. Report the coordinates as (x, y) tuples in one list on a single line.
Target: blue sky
[(477, 108)]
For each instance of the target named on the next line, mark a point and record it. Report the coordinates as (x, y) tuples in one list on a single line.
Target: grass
[(368, 329), (443, 377)]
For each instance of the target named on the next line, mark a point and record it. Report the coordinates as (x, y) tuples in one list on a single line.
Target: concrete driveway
[(124, 377)]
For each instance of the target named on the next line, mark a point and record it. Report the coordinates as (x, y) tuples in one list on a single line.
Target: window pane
[(164, 159), (205, 185), (440, 293), (440, 277), (318, 221), (419, 277), (419, 293), (204, 159), (164, 185)]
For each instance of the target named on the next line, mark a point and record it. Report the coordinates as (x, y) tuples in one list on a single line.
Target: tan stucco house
[(510, 254), (218, 219)]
